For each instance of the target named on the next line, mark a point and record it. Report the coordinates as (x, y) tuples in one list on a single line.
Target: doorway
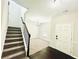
[(63, 35)]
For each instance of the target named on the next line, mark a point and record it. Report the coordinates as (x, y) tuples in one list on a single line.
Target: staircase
[(14, 46)]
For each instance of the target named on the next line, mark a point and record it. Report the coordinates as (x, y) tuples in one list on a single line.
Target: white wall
[(4, 21), (32, 28), (38, 29), (44, 31), (14, 14), (65, 18)]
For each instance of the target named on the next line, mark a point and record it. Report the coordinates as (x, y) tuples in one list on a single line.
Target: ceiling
[(47, 8)]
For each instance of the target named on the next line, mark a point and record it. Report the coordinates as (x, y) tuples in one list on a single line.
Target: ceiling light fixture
[(65, 10), (54, 1)]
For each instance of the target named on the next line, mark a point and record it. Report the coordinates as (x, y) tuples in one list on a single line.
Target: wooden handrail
[(24, 25), (28, 45)]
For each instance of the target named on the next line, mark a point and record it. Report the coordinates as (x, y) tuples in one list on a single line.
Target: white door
[(63, 38)]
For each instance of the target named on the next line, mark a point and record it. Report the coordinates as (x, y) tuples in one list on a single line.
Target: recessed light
[(54, 1), (65, 10)]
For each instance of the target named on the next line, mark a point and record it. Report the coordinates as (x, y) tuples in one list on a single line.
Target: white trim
[(4, 40), (24, 39), (40, 39), (45, 40), (13, 26), (13, 42)]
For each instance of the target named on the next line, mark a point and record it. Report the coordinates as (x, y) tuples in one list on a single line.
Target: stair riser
[(12, 45), (14, 32), (14, 36), (7, 41), (13, 29), (12, 51)]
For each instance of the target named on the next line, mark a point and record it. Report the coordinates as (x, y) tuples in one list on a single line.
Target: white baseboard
[(41, 39)]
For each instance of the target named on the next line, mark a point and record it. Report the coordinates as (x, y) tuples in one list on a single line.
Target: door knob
[(56, 36)]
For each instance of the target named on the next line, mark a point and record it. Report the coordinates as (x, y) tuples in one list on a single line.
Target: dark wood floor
[(50, 53)]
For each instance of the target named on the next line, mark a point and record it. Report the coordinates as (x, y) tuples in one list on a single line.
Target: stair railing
[(27, 37)]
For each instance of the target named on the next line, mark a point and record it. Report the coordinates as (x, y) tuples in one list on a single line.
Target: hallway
[(41, 29), (39, 49)]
